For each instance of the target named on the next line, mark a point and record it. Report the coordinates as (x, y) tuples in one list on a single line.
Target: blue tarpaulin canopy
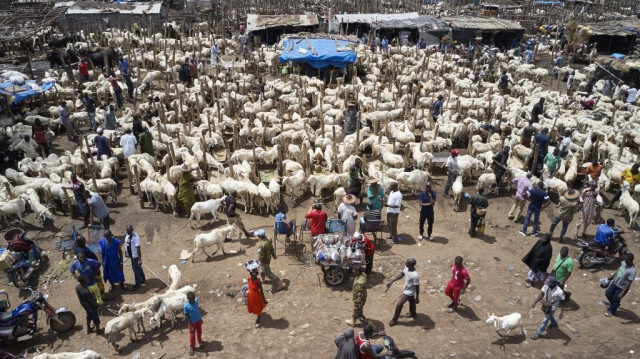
[(8, 88), (549, 3), (319, 53)]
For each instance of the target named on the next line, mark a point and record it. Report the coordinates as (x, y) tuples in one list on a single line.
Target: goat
[(217, 236), (506, 323)]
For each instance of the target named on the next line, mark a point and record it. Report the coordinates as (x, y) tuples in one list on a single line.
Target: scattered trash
[(408, 216), (305, 326), (148, 242), (452, 342), (244, 280), (584, 274), (292, 332), (512, 304), (632, 303), (603, 304), (631, 351), (429, 261), (228, 286), (164, 266), (516, 354), (497, 259), (136, 355), (240, 264), (548, 356), (230, 294), (476, 269), (228, 275), (233, 252), (420, 264), (184, 261), (419, 244), (478, 298), (452, 355), (184, 255), (510, 268)]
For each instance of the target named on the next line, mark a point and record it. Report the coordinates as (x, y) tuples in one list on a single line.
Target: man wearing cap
[(553, 297), (369, 250), (567, 207), (318, 219), (102, 144), (452, 171), (359, 296), (410, 292), (394, 203), (350, 119), (499, 164), (265, 253), (348, 213), (437, 109)]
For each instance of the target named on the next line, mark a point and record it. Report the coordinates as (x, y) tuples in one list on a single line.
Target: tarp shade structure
[(8, 88), (319, 53)]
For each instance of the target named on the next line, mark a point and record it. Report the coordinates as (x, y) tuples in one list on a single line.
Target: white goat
[(506, 324), (200, 208), (217, 236)]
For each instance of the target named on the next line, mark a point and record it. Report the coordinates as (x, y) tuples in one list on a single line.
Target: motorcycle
[(591, 255), (24, 264), (390, 345), (23, 320)]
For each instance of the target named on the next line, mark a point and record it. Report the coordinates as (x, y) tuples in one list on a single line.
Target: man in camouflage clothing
[(359, 295), (265, 253)]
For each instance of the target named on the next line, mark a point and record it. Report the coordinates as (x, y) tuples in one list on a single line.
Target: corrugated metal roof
[(371, 18), (261, 22), (152, 8), (482, 23), (616, 28), (422, 22)]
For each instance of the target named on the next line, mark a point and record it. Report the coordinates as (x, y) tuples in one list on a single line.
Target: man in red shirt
[(117, 90), (39, 132), (458, 284), (83, 67), (369, 250), (318, 219)]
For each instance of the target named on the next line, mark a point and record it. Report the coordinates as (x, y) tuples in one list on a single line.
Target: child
[(255, 299), (192, 313)]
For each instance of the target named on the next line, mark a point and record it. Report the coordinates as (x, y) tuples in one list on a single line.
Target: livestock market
[(207, 178)]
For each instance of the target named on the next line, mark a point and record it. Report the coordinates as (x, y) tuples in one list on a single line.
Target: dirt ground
[(305, 318)]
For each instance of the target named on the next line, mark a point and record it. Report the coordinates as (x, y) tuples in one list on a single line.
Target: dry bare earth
[(302, 321)]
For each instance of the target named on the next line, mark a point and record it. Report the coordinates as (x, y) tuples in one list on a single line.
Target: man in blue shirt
[(89, 268), (192, 313), (102, 144), (126, 74), (384, 44), (605, 234), (537, 196), (437, 109), (427, 201), (285, 227)]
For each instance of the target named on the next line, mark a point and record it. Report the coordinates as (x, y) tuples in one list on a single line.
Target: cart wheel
[(334, 277)]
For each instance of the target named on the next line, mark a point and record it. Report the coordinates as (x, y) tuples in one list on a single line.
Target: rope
[(154, 273)]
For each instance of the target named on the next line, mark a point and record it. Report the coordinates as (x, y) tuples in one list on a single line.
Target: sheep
[(389, 158), (15, 206), (488, 180), (105, 185), (555, 185), (125, 321), (152, 304), (628, 203), (168, 307), (216, 236), (457, 192), (87, 354), (413, 180), (42, 213), (572, 172), (294, 183), (200, 208), (175, 277), (506, 323), (321, 182), (206, 189)]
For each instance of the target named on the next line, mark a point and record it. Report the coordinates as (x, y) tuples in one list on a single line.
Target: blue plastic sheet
[(618, 56), (323, 52), (15, 98)]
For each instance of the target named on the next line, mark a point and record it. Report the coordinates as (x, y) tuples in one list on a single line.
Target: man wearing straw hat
[(567, 207), (347, 212), (350, 119)]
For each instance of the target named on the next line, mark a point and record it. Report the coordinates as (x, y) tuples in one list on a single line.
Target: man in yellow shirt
[(632, 177)]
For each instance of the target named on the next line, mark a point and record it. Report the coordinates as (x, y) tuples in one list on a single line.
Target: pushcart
[(336, 254)]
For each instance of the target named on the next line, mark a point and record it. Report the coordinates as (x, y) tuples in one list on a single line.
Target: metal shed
[(357, 24), (429, 29), (502, 33), (268, 28), (95, 17)]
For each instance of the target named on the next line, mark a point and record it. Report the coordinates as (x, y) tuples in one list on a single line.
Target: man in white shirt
[(570, 80), (28, 147), (410, 292), (97, 207), (452, 171), (133, 251), (565, 143), (128, 143), (394, 203), (552, 294)]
